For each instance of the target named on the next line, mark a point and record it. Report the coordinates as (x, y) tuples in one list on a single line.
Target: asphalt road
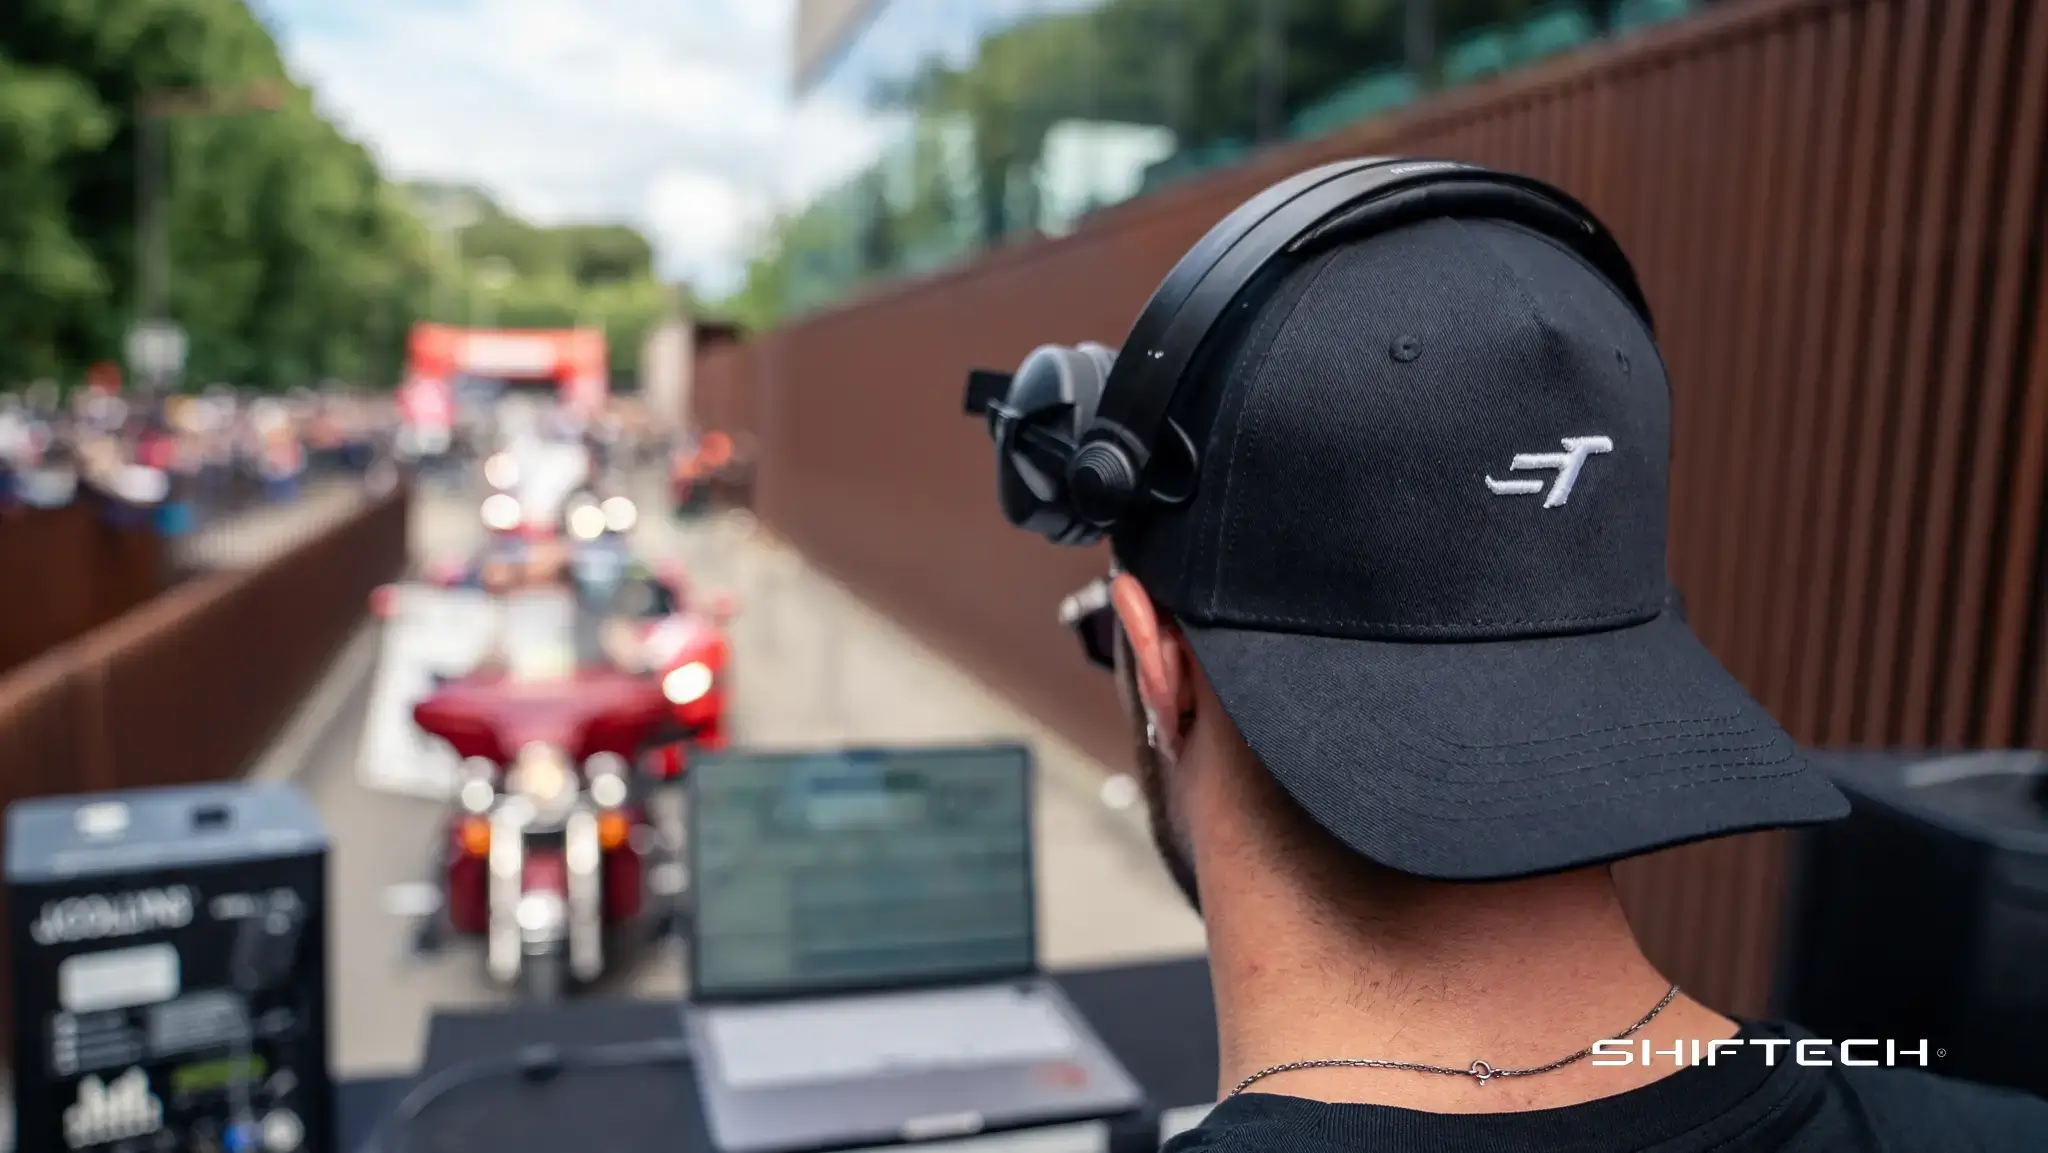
[(812, 666)]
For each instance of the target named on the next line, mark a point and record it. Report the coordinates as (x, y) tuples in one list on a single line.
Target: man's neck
[(1517, 975)]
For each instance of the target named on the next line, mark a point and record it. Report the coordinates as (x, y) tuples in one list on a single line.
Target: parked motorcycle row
[(602, 674)]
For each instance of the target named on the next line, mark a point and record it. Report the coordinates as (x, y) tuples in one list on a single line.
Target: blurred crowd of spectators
[(180, 458)]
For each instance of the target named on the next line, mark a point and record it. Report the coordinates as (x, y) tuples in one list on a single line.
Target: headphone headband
[(1077, 436), (1347, 200)]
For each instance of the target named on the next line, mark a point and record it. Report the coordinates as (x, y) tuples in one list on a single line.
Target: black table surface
[(1158, 1018)]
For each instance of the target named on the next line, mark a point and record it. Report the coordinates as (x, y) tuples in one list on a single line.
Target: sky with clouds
[(671, 115)]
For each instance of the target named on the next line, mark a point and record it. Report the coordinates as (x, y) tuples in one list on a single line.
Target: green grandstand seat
[(1630, 15), (1367, 96), (1488, 52), (1551, 32)]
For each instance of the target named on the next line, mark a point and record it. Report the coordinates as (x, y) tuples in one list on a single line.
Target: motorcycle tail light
[(613, 830), (476, 836)]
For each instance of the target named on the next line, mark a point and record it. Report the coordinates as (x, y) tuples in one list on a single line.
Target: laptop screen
[(842, 870)]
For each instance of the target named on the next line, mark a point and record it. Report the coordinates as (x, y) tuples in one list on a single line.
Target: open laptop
[(864, 959)]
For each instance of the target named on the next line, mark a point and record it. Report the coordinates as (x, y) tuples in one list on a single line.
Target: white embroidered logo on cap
[(1567, 464)]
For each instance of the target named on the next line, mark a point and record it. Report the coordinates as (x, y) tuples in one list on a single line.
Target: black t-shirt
[(1739, 1104)]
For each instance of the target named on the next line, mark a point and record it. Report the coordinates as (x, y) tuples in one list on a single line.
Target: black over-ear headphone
[(1083, 433)]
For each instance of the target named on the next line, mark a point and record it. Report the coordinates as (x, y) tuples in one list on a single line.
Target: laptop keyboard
[(768, 1046)]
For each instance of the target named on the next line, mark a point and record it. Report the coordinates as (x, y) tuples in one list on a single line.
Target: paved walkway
[(256, 534), (812, 666)]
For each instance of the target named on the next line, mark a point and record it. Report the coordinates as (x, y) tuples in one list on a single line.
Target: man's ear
[(1162, 665)]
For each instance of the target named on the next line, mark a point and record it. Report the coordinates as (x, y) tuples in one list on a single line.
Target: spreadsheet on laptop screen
[(848, 870)]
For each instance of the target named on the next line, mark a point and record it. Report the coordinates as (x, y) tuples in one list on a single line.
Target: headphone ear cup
[(1102, 483), (1053, 398), (1100, 479), (1091, 382)]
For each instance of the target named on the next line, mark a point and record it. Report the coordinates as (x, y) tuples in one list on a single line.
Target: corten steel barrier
[(724, 399), (66, 570), (1837, 210), (722, 394), (194, 684)]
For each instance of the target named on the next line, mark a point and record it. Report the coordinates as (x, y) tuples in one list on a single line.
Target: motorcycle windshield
[(549, 636), (599, 570), (549, 472)]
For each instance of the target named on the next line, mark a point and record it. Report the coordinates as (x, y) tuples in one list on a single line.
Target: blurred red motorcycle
[(681, 642), (548, 852), (688, 651)]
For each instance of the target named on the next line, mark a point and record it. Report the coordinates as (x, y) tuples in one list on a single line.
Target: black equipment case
[(170, 984), (1924, 915)]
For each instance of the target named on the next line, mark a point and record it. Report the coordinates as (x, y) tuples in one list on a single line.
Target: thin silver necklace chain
[(1480, 1071)]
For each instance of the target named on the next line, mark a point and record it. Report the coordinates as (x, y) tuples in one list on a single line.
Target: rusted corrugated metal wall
[(1837, 207), (64, 571), (722, 395), (191, 685)]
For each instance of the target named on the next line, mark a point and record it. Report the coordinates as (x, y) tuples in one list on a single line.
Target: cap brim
[(1507, 759)]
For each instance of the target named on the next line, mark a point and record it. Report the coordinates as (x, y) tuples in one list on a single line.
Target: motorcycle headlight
[(501, 512), (479, 785), (540, 912), (619, 514), (586, 522), (609, 792), (544, 777), (501, 471), (607, 775), (687, 683)]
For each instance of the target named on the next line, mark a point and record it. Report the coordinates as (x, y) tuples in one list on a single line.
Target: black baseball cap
[(1424, 565)]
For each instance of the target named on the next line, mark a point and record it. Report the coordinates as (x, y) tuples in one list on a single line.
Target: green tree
[(290, 259), (498, 235), (48, 273), (606, 254), (1196, 67)]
